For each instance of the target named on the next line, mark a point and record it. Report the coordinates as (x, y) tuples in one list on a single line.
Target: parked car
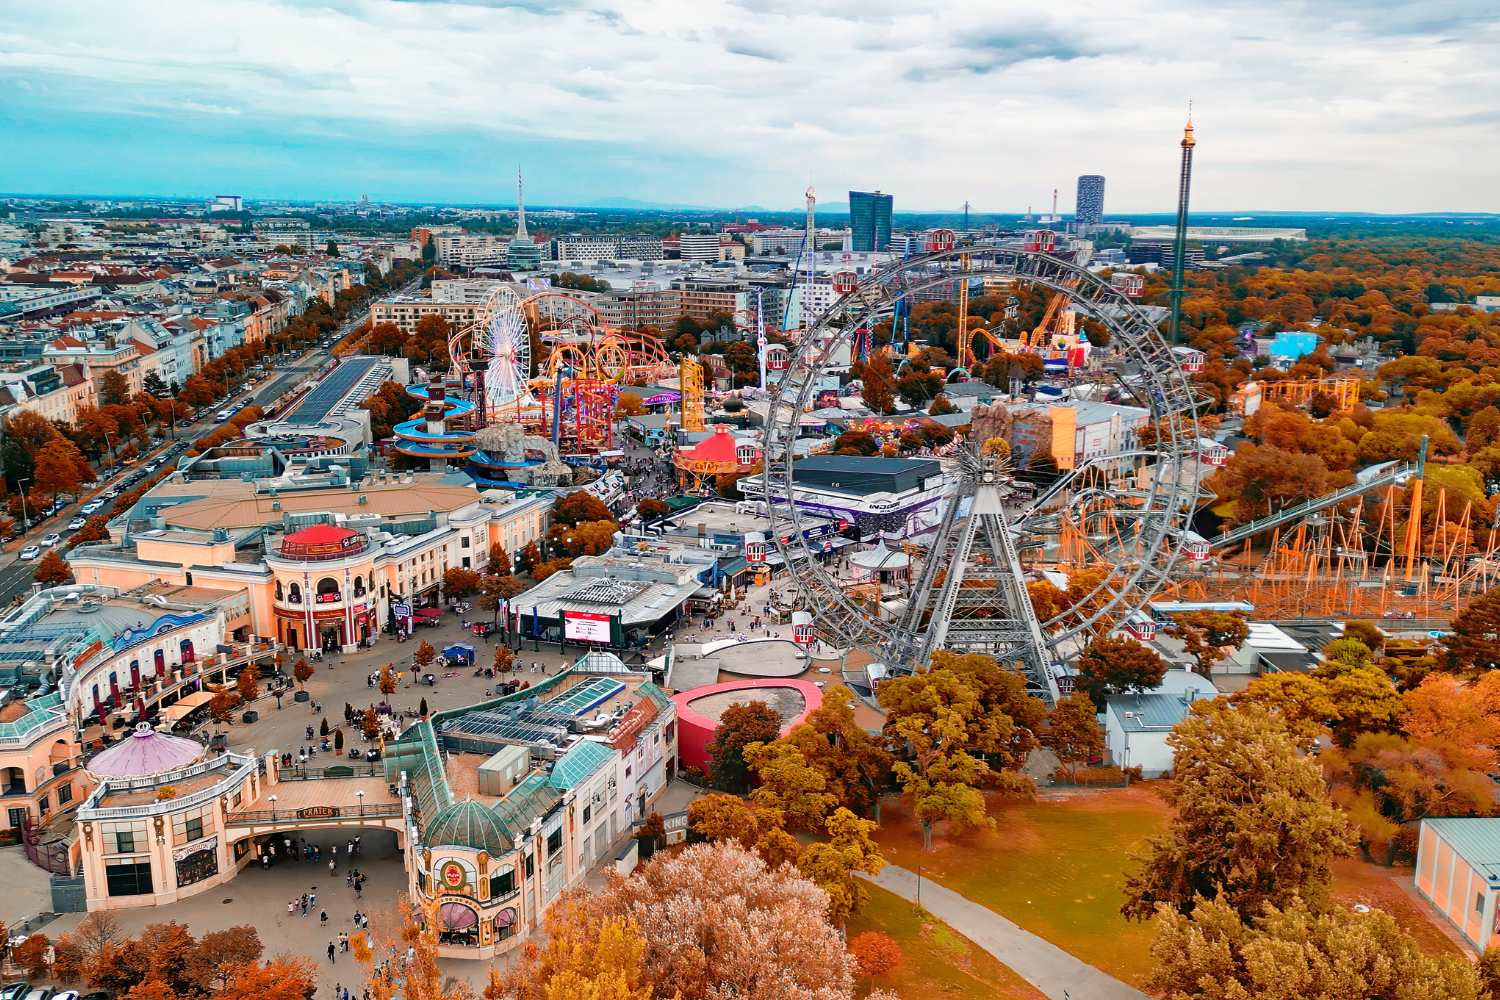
[(93, 506), (50, 539), (66, 995), (11, 991), (31, 552), (77, 523), (110, 494)]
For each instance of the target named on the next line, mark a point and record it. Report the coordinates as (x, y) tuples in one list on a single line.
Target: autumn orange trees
[(739, 726), (1436, 764), (52, 570), (964, 724), (1115, 665), (166, 961), (1253, 824), (672, 931)]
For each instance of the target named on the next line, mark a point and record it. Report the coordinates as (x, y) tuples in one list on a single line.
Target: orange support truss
[(1299, 392), (1371, 558)]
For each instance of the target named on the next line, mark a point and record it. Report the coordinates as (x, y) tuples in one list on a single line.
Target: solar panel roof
[(332, 391)]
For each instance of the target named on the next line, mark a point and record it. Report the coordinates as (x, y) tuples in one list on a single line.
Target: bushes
[(875, 953)]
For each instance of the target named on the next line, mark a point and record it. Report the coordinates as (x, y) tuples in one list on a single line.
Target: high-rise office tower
[(1179, 243), (1089, 210), (870, 220)]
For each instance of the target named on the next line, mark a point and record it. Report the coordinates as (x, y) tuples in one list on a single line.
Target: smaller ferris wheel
[(501, 345)]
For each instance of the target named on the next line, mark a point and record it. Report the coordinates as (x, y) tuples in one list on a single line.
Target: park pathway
[(1039, 962)]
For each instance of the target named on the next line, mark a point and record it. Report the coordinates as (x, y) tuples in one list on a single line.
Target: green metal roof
[(468, 824), (40, 712), (1475, 838), (1148, 712), (579, 764), (529, 800)]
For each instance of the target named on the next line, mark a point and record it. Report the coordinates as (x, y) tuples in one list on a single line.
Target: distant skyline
[(1339, 105)]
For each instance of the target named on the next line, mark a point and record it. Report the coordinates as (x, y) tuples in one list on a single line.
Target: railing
[(53, 857), (361, 770), (243, 766), (250, 817)]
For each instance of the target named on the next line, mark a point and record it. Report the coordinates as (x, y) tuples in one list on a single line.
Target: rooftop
[(640, 591), (1475, 838), (860, 475), (563, 722)]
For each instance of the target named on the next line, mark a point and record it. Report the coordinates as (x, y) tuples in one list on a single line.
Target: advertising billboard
[(585, 626)]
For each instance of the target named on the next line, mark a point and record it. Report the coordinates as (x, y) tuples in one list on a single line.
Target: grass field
[(1356, 881), (1055, 866), (938, 961)]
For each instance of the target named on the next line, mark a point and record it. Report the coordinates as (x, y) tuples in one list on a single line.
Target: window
[(124, 842), (464, 542), (503, 883), (554, 842), (193, 829), (128, 879), (1479, 902), (587, 813), (530, 864), (64, 794), (44, 804)]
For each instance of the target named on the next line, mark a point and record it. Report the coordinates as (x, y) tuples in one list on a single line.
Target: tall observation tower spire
[(521, 204), (522, 254), (1179, 242)]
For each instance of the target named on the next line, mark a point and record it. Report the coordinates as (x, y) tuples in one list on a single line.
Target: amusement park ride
[(565, 397), (1117, 527)]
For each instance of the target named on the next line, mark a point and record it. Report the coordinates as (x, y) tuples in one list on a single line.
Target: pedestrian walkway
[(1039, 962)]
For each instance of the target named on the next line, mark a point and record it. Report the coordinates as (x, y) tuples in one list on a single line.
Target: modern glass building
[(870, 220), (1090, 204)]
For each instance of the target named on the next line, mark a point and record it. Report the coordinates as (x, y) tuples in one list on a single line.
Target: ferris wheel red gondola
[(1041, 241), (941, 240), (1128, 284), (844, 282)]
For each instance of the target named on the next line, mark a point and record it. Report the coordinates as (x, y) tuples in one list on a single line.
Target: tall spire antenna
[(520, 205), (1179, 242)]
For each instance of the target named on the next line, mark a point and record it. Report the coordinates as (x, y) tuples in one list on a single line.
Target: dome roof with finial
[(468, 824), (143, 753), (1188, 141)]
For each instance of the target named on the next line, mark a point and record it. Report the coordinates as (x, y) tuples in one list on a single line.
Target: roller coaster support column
[(1414, 515)]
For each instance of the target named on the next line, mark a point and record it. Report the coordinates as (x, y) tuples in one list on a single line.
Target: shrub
[(875, 953)]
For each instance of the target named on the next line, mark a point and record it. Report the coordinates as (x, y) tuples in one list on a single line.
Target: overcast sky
[(1327, 105)]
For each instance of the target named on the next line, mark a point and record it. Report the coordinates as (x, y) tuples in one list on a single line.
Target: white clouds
[(995, 102)]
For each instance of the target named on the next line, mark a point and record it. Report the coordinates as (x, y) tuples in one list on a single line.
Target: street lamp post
[(272, 800), (361, 794), (21, 486)]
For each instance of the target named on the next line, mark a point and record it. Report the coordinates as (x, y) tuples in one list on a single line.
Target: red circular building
[(699, 710)]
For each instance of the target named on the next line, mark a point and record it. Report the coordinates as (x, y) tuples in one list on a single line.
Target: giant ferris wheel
[(1114, 523)]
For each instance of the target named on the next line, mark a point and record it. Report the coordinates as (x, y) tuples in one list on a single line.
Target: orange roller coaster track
[(1299, 392)]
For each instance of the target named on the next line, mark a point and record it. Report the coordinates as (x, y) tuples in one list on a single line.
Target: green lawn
[(938, 961), (1055, 866)]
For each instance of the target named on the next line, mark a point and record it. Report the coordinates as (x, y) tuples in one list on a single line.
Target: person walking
[(323, 917), (331, 952)]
